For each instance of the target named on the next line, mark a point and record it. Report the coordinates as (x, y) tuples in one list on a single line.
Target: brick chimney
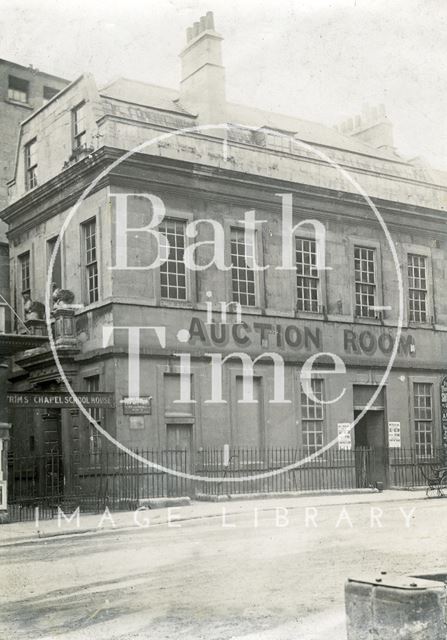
[(202, 88), (372, 127)]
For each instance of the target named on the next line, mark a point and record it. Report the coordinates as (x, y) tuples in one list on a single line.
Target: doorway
[(370, 448), (52, 468), (179, 452)]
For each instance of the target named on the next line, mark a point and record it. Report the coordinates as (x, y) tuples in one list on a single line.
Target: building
[(22, 90), (348, 308)]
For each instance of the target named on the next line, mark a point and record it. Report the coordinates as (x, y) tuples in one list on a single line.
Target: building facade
[(312, 283), (22, 90)]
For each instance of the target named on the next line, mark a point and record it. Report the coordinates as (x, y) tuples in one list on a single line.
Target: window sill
[(17, 103), (364, 320), (421, 325), (177, 304), (310, 315)]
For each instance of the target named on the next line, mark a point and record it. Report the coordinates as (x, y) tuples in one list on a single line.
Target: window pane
[(365, 282), (49, 92), (31, 165), (17, 89), (307, 280), (417, 288), (423, 418), (79, 126), (57, 267), (25, 273), (312, 416), (242, 276), (173, 271), (90, 261)]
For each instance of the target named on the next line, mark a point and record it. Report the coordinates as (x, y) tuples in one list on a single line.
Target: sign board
[(344, 436), (444, 417), (137, 405), (61, 400), (394, 435)]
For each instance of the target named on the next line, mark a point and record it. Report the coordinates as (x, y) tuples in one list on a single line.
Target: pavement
[(107, 522)]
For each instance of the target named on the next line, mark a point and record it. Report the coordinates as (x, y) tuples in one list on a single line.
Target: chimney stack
[(372, 127), (202, 88)]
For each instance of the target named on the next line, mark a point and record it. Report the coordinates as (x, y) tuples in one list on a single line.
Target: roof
[(305, 130), (163, 98), (144, 94), (32, 69)]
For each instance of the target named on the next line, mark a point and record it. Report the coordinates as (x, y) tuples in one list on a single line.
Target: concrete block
[(395, 607), (162, 503)]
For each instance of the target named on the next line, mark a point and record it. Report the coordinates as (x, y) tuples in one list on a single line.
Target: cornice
[(235, 187)]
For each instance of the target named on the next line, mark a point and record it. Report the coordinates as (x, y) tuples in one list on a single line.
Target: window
[(49, 92), (173, 271), (57, 268), (78, 123), (423, 418), (417, 288), (307, 281), (242, 275), (95, 441), (312, 416), (18, 89), (90, 261), (25, 274), (365, 282), (31, 164)]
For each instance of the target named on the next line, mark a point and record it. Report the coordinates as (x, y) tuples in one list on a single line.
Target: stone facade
[(218, 175)]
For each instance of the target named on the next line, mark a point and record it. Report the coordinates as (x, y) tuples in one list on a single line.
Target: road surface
[(268, 574)]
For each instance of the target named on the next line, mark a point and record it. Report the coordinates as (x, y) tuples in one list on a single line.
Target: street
[(276, 570)]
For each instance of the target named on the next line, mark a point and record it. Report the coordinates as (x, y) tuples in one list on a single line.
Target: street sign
[(61, 400)]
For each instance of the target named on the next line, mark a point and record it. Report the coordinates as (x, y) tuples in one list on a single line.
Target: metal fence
[(281, 469), (119, 481), (110, 479), (409, 469)]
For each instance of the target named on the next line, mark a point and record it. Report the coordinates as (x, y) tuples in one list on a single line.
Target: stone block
[(390, 607)]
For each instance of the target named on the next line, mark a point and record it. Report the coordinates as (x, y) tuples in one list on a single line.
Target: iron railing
[(408, 468), (107, 478), (117, 480), (281, 469)]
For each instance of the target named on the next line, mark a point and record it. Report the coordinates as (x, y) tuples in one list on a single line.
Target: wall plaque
[(137, 405)]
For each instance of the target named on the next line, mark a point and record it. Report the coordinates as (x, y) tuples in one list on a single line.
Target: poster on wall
[(394, 441), (344, 436), (444, 417)]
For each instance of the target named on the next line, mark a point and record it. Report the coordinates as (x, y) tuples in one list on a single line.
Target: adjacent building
[(345, 304), (22, 90)]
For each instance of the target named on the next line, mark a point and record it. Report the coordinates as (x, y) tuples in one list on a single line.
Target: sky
[(319, 60)]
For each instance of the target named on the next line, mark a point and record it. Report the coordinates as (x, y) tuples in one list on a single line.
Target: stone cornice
[(235, 187)]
